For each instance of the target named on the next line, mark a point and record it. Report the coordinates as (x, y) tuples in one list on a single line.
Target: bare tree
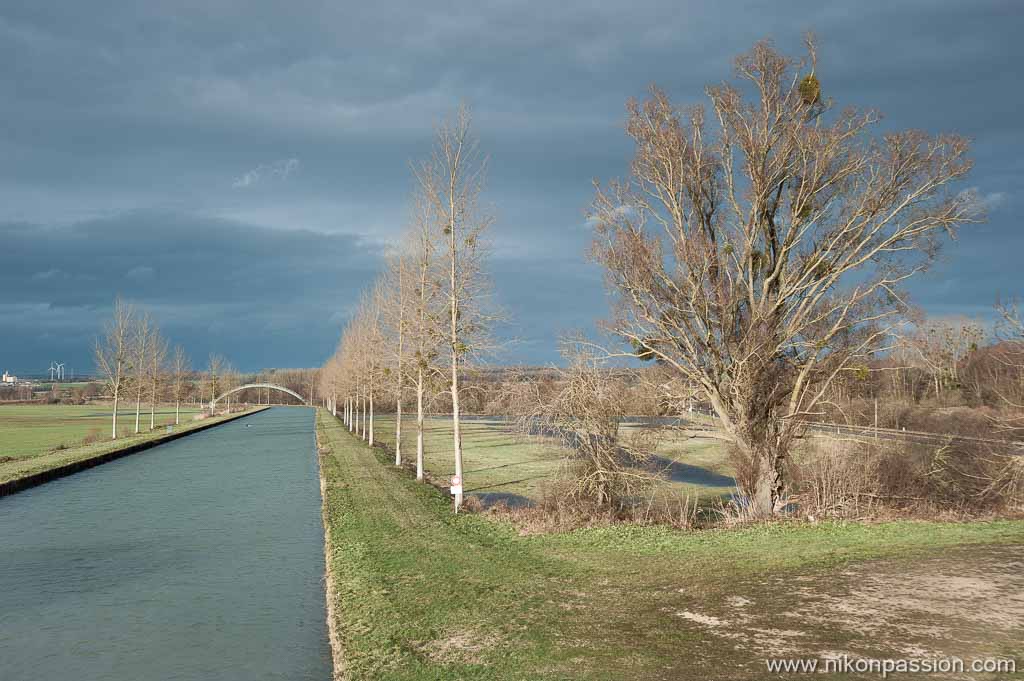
[(142, 342), (423, 332), (451, 182), (215, 370), (942, 345), (763, 254), (156, 369), (180, 370), (113, 355), (394, 313), (584, 411)]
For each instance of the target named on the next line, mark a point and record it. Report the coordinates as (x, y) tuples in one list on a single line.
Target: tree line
[(138, 366), (430, 313)]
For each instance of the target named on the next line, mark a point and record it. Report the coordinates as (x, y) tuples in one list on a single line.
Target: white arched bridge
[(271, 386)]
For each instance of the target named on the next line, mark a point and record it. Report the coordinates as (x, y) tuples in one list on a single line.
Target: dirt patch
[(967, 603), (461, 647)]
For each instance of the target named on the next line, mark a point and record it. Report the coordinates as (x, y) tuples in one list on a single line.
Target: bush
[(94, 435), (836, 479), (850, 479)]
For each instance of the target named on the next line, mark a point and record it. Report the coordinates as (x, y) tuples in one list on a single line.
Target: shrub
[(94, 435), (851, 479)]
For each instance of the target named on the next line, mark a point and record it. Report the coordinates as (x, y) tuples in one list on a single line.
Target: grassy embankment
[(498, 464), (421, 593), (37, 438)]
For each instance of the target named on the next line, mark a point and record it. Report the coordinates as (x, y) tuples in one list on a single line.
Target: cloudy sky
[(238, 168)]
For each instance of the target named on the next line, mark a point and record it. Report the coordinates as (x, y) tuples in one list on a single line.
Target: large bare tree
[(760, 253), (113, 355), (451, 183)]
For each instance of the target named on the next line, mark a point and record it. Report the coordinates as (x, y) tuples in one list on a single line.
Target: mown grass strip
[(422, 593)]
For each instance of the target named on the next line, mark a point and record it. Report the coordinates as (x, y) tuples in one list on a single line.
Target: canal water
[(199, 559)]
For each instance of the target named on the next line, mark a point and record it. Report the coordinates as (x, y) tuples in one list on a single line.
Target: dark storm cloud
[(128, 130), (214, 285)]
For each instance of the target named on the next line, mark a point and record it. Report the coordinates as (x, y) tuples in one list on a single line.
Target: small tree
[(584, 412), (761, 255), (113, 355), (216, 368), (157, 370), (394, 305), (143, 341), (180, 370), (424, 333)]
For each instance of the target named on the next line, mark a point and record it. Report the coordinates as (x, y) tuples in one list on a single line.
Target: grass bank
[(17, 473), (419, 593)]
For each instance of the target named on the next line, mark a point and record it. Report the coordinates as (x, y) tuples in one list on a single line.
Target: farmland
[(28, 430), (35, 438)]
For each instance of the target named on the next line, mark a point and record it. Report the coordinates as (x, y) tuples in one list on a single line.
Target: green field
[(502, 465), (28, 430), (421, 593)]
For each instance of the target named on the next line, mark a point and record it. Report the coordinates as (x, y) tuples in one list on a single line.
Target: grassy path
[(423, 594)]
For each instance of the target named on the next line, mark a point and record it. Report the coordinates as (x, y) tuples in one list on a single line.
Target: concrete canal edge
[(330, 595), (36, 479)]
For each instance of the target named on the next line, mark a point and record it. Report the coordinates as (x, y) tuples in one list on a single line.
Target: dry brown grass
[(560, 511), (858, 479)]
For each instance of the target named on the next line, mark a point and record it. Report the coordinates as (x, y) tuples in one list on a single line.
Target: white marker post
[(456, 482)]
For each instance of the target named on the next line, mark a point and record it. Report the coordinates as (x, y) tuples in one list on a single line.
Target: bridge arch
[(214, 401)]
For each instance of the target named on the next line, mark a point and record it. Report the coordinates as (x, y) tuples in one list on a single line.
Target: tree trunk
[(457, 434), (398, 430), (363, 400), (152, 410), (419, 425), (370, 440), (767, 499), (138, 410), (177, 410), (113, 426)]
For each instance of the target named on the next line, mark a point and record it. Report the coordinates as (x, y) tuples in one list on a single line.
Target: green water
[(198, 559)]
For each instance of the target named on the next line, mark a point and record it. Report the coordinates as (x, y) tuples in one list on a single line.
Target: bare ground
[(967, 603)]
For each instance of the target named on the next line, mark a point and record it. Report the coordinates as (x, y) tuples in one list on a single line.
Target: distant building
[(9, 379)]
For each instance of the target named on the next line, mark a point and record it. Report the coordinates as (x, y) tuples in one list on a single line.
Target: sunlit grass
[(28, 430), (501, 464)]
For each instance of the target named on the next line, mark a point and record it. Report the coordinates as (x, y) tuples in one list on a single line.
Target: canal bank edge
[(330, 595), (35, 479)]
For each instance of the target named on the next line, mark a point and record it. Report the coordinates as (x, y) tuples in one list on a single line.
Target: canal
[(198, 559)]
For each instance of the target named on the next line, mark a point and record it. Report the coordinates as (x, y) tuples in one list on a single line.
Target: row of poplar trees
[(134, 360), (429, 312)]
